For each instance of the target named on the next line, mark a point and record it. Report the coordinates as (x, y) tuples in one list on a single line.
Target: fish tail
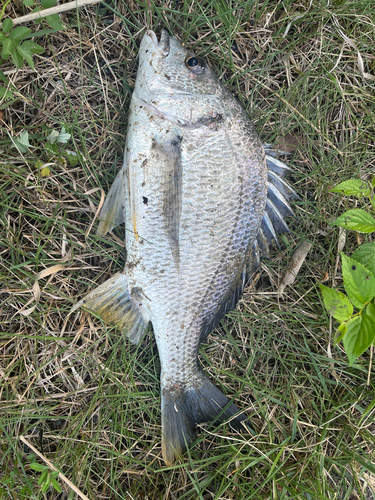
[(185, 407)]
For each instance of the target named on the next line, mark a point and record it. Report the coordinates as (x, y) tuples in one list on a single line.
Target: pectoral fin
[(113, 212)]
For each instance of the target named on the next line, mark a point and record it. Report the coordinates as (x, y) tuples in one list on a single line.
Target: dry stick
[(52, 10), (51, 466)]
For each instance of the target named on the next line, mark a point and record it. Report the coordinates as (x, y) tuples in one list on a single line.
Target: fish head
[(167, 67)]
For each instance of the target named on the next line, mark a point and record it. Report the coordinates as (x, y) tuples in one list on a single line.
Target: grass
[(74, 388)]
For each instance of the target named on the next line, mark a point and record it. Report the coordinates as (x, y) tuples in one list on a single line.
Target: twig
[(53, 10), (51, 466)]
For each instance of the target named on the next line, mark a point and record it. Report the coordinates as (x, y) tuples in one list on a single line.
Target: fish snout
[(163, 44)]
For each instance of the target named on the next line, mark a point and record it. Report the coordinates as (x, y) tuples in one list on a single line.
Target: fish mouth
[(163, 44)]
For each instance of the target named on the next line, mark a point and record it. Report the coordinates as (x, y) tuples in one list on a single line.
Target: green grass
[(77, 390)]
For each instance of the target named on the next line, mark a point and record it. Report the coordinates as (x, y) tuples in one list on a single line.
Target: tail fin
[(184, 407)]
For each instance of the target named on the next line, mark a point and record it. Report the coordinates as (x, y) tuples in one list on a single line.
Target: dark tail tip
[(185, 407)]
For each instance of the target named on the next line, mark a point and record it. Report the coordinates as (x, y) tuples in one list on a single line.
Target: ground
[(72, 387)]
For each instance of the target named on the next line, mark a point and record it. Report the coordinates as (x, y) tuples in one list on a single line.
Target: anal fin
[(115, 304)]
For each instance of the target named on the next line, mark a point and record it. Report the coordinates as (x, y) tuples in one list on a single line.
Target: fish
[(202, 200)]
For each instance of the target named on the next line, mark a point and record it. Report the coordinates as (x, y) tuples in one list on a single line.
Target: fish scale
[(193, 196)]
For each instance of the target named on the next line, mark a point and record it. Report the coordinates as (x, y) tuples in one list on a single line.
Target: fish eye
[(195, 64)]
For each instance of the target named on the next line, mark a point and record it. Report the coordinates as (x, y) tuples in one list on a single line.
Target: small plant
[(16, 43), (47, 478), (357, 329)]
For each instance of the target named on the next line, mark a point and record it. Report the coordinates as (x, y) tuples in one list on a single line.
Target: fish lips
[(163, 45)]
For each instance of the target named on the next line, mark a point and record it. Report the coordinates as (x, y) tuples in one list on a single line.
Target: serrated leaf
[(351, 187), (341, 332), (19, 33), (359, 336), (8, 47), (22, 141), (46, 4), (28, 3), (63, 137), (17, 58), (38, 467), (357, 220), (55, 21), (336, 303), (56, 485), (358, 281), (52, 137), (365, 254), (24, 52), (7, 25), (5, 93)]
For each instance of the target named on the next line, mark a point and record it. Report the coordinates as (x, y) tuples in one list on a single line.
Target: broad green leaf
[(2, 36), (357, 220), (46, 484), (63, 136), (365, 254), (19, 33), (17, 58), (43, 477), (51, 148), (341, 332), (370, 311), (359, 336), (373, 182), (5, 93), (55, 473), (28, 3), (336, 303), (32, 47), (358, 281), (73, 157), (52, 137), (8, 48), (351, 187), (7, 25), (46, 4), (24, 52), (55, 22), (38, 467), (22, 141)]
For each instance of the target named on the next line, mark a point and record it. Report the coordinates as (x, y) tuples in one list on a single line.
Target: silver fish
[(202, 200)]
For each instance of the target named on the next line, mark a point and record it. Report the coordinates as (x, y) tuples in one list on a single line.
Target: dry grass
[(75, 389)]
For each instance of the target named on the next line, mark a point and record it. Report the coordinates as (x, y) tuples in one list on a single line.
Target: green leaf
[(32, 47), (2, 36), (365, 254), (370, 311), (341, 332), (359, 336), (373, 182), (351, 187), (38, 467), (336, 303), (74, 157), (22, 141), (358, 281), (46, 484), (43, 477), (24, 52), (51, 148), (55, 473), (52, 137), (5, 93), (56, 485), (357, 220), (17, 58), (63, 136), (7, 25), (8, 48), (55, 21), (19, 33), (28, 3), (46, 4)]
